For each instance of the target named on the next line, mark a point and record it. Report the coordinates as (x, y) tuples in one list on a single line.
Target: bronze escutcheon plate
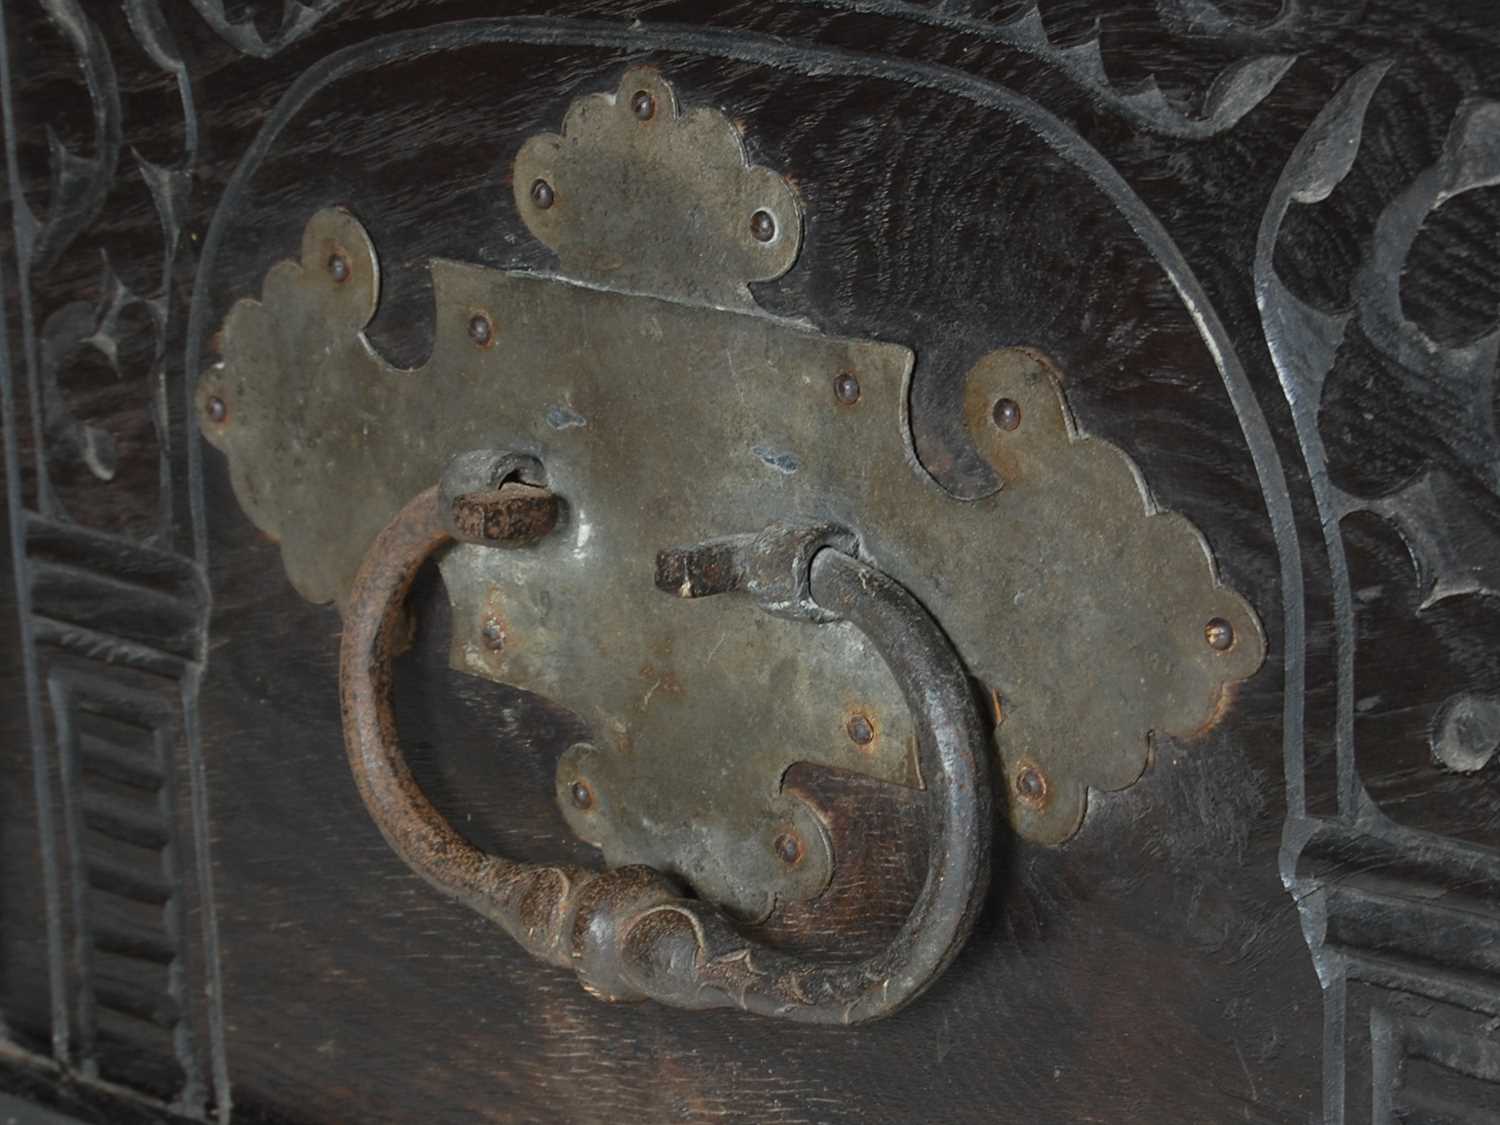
[(668, 409)]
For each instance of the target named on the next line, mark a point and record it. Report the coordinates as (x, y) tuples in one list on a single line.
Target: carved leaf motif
[(78, 184), (1238, 90), (1205, 18), (1470, 159), (297, 19), (1455, 546)]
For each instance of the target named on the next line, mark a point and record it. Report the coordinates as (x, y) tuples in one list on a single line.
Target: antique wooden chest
[(806, 561)]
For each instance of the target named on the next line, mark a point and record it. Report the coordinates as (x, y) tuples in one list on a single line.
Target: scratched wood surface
[(1290, 918)]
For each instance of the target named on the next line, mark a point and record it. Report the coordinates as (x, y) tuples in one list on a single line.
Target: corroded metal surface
[(661, 202), (1090, 618), (703, 707), (629, 932)]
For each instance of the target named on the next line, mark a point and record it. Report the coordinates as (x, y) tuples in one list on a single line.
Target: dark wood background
[(1289, 919)]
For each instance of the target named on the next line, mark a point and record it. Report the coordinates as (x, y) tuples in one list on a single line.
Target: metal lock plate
[(669, 410)]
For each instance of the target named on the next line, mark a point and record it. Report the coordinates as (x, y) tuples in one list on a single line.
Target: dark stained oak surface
[(1290, 918)]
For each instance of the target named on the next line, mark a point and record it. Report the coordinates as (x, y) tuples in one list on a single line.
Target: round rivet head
[(643, 105), (1219, 634), (1031, 786), (1007, 414), (542, 194), (338, 268), (788, 848), (494, 635), (846, 389), (217, 410), (480, 329), (860, 730), (762, 226), (582, 795)]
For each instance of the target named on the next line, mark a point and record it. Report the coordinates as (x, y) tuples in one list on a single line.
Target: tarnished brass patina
[(670, 412)]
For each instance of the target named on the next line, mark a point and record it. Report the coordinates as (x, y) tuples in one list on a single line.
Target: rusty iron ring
[(631, 933)]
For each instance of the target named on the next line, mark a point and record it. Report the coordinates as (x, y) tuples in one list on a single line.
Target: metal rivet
[(217, 410), (861, 731), (493, 634), (763, 226), (1007, 414), (1031, 786), (542, 194), (480, 330), (846, 389), (643, 105), (1219, 634), (788, 848), (338, 267), (582, 795)]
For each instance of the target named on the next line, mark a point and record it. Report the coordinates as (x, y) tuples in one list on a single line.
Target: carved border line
[(127, 575), (24, 227), (1370, 890)]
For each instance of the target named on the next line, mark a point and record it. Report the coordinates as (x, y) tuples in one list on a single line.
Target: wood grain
[(1154, 968)]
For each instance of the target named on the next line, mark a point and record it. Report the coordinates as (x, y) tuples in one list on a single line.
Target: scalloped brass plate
[(668, 409)]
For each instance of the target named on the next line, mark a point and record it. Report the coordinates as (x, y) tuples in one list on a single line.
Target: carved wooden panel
[(1261, 240)]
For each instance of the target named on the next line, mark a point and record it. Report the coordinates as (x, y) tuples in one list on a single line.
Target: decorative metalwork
[(673, 411), (1435, 514), (630, 933)]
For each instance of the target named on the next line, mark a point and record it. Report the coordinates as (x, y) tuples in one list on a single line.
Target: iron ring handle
[(631, 933)]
